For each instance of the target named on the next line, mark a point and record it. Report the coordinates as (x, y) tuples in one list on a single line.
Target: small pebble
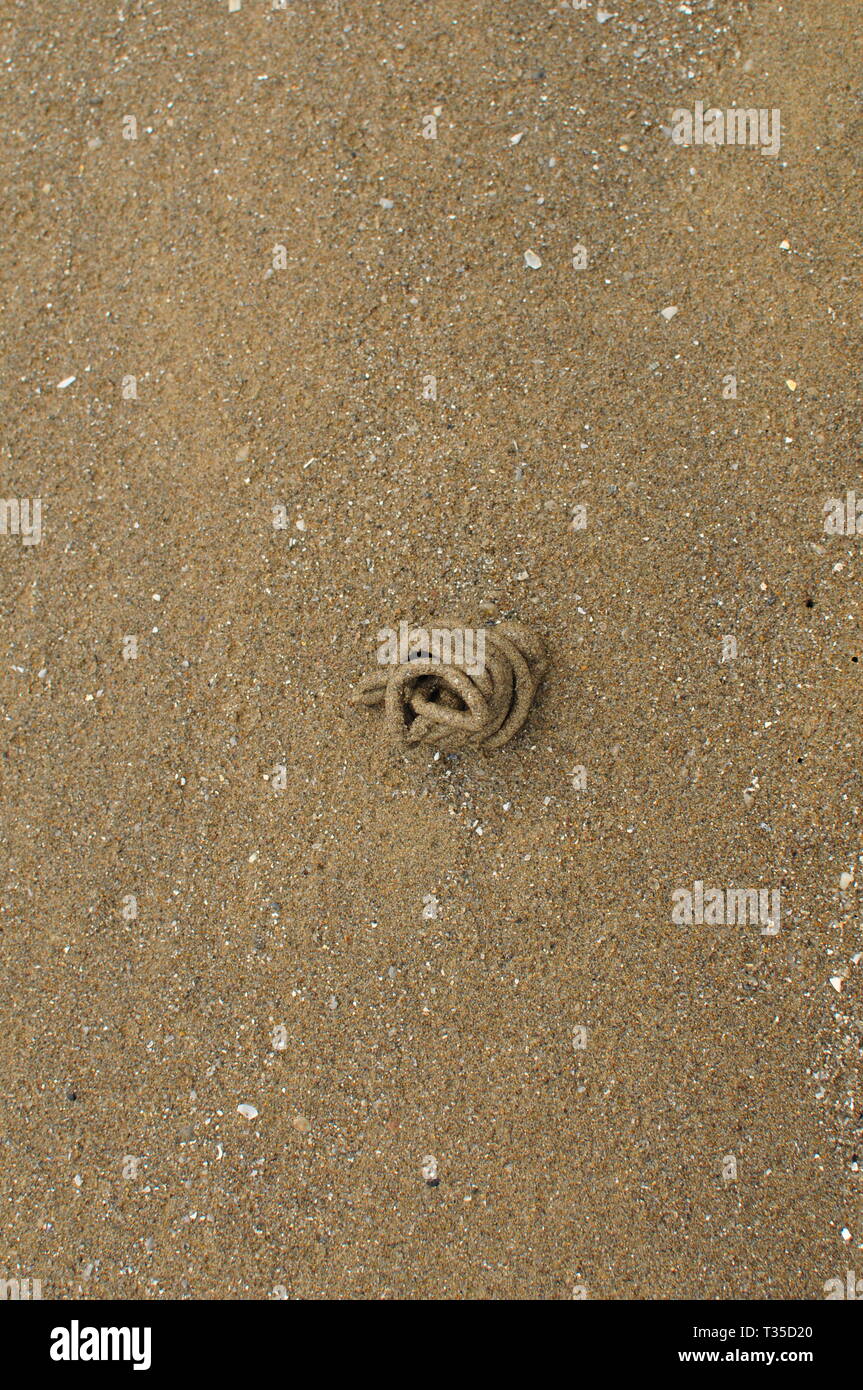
[(531, 260), (429, 1170)]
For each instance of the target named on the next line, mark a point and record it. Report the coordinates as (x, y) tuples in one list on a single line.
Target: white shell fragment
[(429, 1170)]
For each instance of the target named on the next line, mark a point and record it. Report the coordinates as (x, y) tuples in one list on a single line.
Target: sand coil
[(460, 703)]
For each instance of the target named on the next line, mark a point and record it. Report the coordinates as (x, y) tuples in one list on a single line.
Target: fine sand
[(482, 1059)]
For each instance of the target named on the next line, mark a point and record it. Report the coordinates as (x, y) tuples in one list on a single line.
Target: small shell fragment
[(429, 1170)]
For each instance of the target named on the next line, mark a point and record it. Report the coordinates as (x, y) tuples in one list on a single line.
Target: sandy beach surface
[(279, 373)]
